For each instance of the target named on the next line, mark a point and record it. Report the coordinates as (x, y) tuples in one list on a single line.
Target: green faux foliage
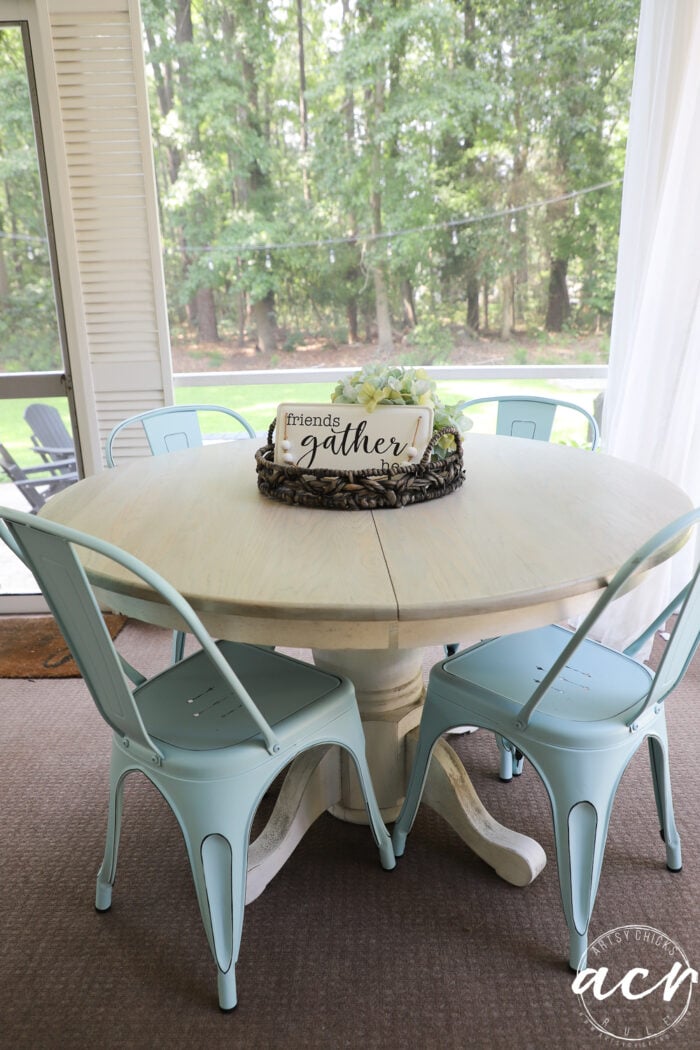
[(381, 385)]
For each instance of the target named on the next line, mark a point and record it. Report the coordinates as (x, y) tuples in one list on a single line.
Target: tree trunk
[(265, 320), (242, 300), (507, 305), (385, 339), (374, 100), (348, 111), (367, 321), (238, 22), (472, 304), (351, 275), (353, 326), (207, 329), (558, 305), (4, 279), (303, 109), (409, 306)]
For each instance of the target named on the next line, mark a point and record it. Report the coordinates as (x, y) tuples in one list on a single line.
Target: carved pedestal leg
[(449, 791), (309, 788)]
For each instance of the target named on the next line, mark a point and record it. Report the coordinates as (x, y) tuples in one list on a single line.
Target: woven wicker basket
[(361, 489)]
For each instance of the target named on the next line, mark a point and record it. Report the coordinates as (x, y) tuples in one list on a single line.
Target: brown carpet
[(33, 647), (337, 953)]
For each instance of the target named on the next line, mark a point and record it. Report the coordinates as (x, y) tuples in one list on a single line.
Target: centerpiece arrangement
[(415, 474), (376, 385)]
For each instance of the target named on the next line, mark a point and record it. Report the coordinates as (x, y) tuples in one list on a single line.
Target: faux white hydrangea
[(378, 385)]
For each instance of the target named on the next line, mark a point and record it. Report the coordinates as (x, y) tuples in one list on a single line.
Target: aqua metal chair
[(170, 429), (210, 732), (578, 711), (526, 416)]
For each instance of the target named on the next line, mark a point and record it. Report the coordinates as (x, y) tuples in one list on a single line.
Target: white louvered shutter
[(99, 70)]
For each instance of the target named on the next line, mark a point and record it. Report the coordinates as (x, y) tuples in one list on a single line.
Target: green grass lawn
[(259, 404)]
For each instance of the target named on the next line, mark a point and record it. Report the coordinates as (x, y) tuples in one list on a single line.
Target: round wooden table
[(531, 537)]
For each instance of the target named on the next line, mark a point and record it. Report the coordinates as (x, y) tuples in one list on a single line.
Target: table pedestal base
[(389, 689)]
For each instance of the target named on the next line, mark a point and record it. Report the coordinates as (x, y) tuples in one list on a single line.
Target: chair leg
[(505, 769), (223, 904), (215, 826), (430, 731), (580, 831), (661, 777), (178, 649), (379, 830), (510, 760), (218, 861), (219, 872), (108, 869)]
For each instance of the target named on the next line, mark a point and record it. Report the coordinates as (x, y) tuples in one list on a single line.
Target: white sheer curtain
[(652, 403)]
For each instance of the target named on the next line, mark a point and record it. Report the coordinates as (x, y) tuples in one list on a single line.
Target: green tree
[(585, 49), (370, 161), (29, 338)]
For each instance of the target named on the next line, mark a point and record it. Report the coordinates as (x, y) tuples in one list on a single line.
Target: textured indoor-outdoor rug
[(337, 954), (33, 647)]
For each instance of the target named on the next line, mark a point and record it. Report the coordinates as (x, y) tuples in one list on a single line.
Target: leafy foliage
[(434, 170), (28, 328), (378, 385)]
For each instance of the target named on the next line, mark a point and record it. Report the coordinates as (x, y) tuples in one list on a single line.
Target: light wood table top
[(529, 538)]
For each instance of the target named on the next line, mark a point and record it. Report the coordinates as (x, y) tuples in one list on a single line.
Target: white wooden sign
[(348, 437)]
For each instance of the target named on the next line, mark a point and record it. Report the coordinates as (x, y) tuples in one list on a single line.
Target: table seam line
[(386, 565)]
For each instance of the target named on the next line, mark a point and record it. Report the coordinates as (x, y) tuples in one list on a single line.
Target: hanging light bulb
[(331, 255), (268, 261), (455, 239)]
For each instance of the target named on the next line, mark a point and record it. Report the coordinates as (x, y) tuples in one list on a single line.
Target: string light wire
[(367, 238)]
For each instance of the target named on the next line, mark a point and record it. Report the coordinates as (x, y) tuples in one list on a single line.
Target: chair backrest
[(681, 645), (686, 632), (49, 550), (172, 428), (48, 429), (530, 416)]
